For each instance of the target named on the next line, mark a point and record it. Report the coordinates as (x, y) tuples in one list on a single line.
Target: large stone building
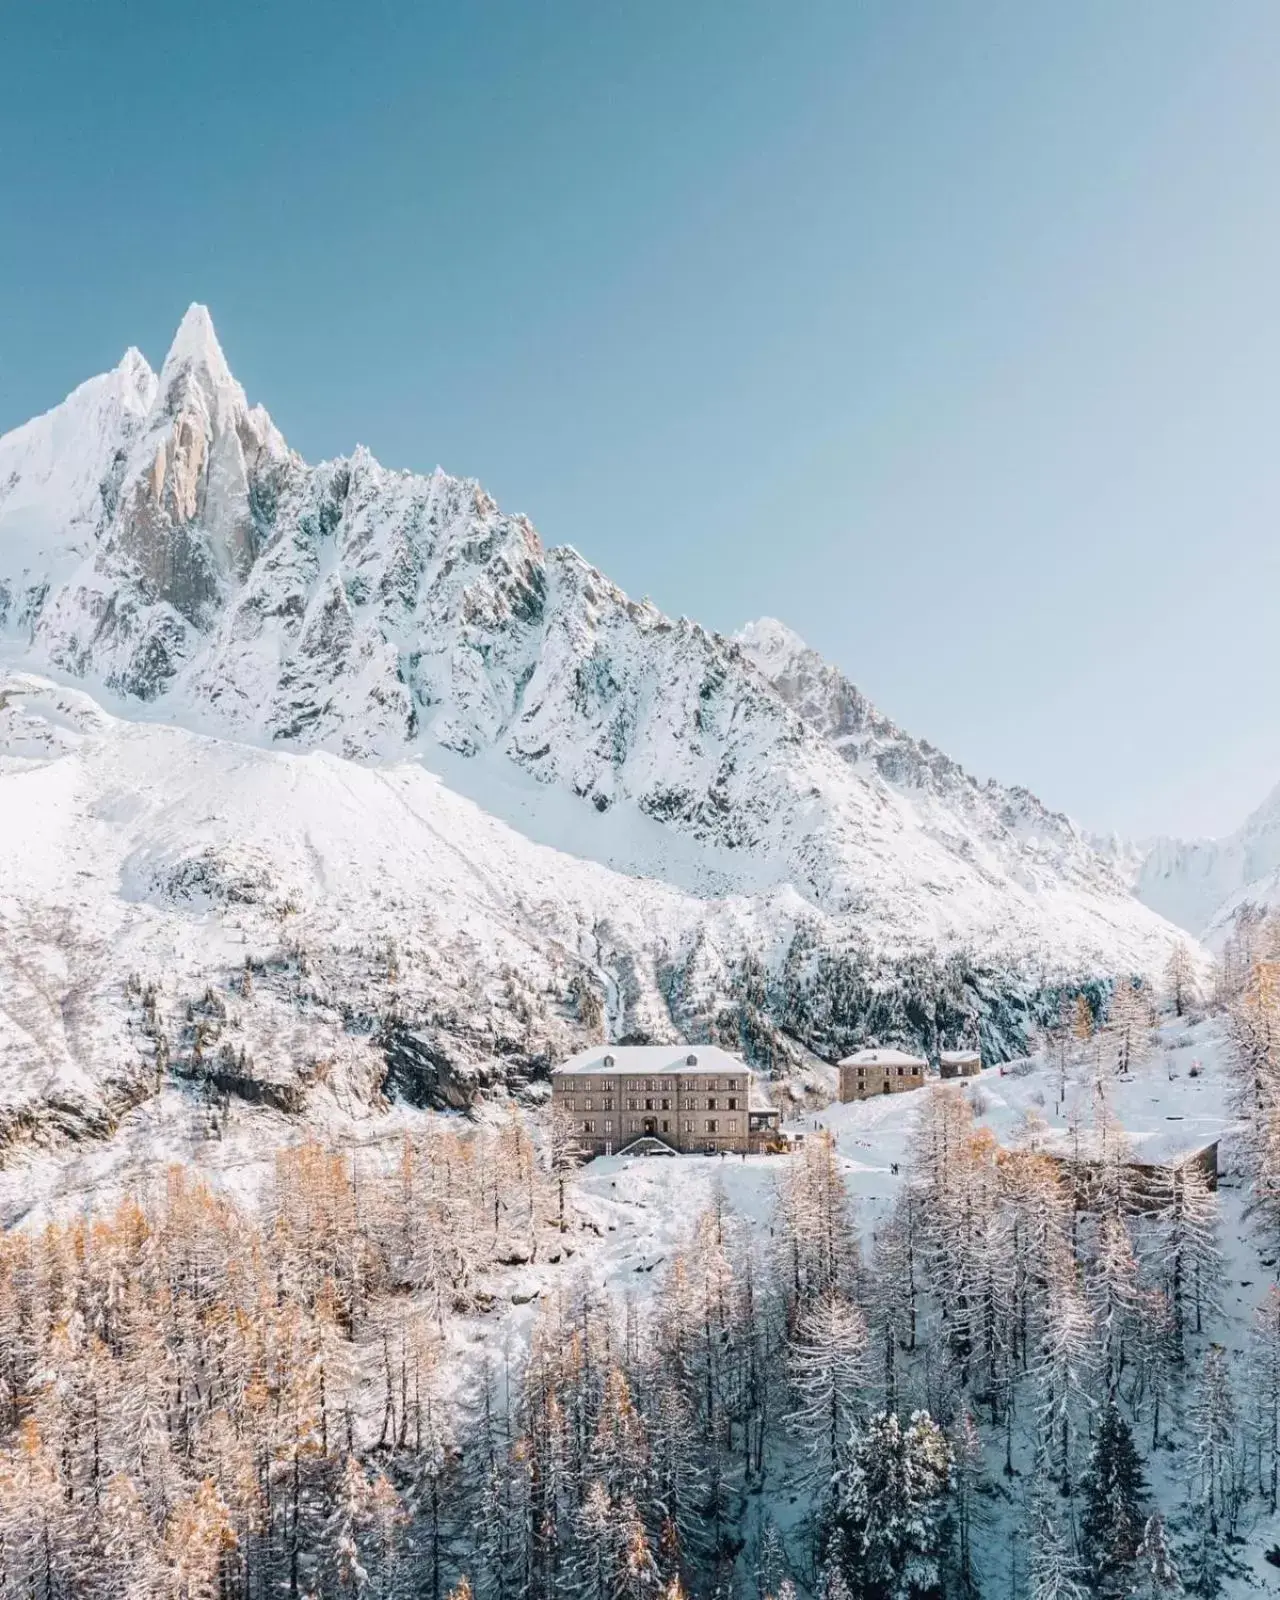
[(690, 1098), (873, 1072)]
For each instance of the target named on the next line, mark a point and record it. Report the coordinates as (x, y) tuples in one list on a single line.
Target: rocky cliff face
[(161, 543)]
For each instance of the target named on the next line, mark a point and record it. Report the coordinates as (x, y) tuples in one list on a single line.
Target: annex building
[(685, 1098), (959, 1064), (872, 1072)]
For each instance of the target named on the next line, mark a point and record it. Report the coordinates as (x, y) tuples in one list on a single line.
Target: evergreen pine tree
[(1114, 1492), (832, 1583), (892, 1504)]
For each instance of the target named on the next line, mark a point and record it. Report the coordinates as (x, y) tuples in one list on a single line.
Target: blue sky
[(946, 332)]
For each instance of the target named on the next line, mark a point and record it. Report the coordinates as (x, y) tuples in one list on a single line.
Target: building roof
[(1156, 1144), (959, 1058), (883, 1058), (669, 1060)]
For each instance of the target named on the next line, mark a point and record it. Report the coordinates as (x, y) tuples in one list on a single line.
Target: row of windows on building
[(888, 1072), (658, 1085), (634, 1125), (711, 1103)]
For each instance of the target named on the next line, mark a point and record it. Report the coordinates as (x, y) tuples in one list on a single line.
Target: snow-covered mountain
[(478, 698), (1201, 883)]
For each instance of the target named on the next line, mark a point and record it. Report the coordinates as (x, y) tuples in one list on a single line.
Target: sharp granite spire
[(195, 344)]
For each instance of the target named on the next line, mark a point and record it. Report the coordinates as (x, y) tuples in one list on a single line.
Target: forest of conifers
[(995, 1390)]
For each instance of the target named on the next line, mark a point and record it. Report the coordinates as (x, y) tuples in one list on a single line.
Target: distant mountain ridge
[(1200, 883)]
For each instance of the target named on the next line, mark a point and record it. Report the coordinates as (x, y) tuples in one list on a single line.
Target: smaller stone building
[(873, 1072), (959, 1064)]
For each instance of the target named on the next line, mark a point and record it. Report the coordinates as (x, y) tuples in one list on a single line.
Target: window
[(586, 1104), (631, 1105), (711, 1104), (648, 1105), (608, 1105), (588, 1127), (862, 1072), (688, 1125), (666, 1105), (608, 1125), (733, 1105), (666, 1126), (732, 1124), (711, 1124), (635, 1126), (899, 1071), (733, 1083)]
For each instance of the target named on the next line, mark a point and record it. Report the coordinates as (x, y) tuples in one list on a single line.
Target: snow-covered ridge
[(1022, 835), (1201, 883), (161, 543)]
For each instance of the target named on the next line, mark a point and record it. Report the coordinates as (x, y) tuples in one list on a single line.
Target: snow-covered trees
[(1053, 1572), (1156, 1576), (1065, 1364), (1264, 1374), (1188, 1250), (1126, 1034), (1114, 1497), (1180, 978), (816, 1243), (1216, 1479), (892, 1495), (828, 1372), (193, 1396)]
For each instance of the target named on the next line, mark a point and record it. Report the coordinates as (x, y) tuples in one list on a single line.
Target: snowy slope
[(355, 893), (1199, 883)]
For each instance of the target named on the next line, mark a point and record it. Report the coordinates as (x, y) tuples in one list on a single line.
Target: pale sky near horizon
[(945, 332)]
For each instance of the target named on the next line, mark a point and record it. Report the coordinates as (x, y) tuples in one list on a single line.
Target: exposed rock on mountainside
[(709, 834)]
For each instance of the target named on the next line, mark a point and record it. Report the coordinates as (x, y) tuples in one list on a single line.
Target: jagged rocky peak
[(195, 349), (824, 696), (196, 469)]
